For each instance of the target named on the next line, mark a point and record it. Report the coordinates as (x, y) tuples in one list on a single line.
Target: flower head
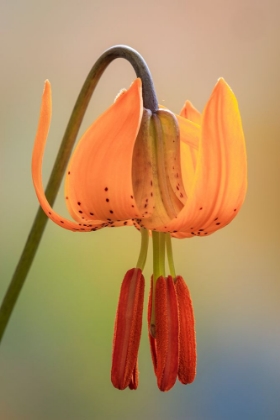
[(185, 175), (172, 175)]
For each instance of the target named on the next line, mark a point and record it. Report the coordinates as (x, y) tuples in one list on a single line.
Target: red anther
[(151, 338), (165, 345), (187, 358), (128, 325)]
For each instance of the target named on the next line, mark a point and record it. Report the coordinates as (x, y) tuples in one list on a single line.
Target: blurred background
[(55, 358)]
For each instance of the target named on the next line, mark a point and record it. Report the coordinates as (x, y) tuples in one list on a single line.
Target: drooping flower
[(172, 175)]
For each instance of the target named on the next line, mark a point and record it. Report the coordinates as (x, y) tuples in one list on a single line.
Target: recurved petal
[(221, 172), (37, 157), (128, 325), (99, 176), (187, 359)]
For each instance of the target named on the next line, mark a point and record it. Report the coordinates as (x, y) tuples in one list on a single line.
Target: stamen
[(144, 249), (158, 270), (127, 333), (187, 359), (170, 255)]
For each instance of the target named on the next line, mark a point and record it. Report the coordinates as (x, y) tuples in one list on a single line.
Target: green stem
[(158, 270), (144, 249), (37, 229), (170, 255)]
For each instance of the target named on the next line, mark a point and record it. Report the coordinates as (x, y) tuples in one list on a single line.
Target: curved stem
[(37, 229)]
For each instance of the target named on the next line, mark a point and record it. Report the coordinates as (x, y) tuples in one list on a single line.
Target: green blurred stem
[(144, 249), (170, 255), (37, 229), (158, 270)]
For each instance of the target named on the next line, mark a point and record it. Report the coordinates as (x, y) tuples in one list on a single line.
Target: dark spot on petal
[(131, 196), (49, 212), (216, 219), (79, 203), (80, 211), (125, 223), (107, 199), (132, 205), (234, 209), (201, 230), (111, 211), (92, 214), (61, 221), (218, 223), (200, 208), (68, 172), (106, 189)]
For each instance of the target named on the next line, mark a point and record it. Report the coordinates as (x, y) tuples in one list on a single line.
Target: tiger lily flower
[(170, 175)]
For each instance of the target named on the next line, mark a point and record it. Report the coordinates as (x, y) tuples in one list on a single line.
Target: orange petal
[(127, 333), (167, 333), (220, 181), (157, 178), (190, 134), (187, 359), (191, 113), (37, 157), (99, 173)]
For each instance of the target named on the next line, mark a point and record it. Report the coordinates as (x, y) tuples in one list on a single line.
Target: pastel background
[(55, 356)]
